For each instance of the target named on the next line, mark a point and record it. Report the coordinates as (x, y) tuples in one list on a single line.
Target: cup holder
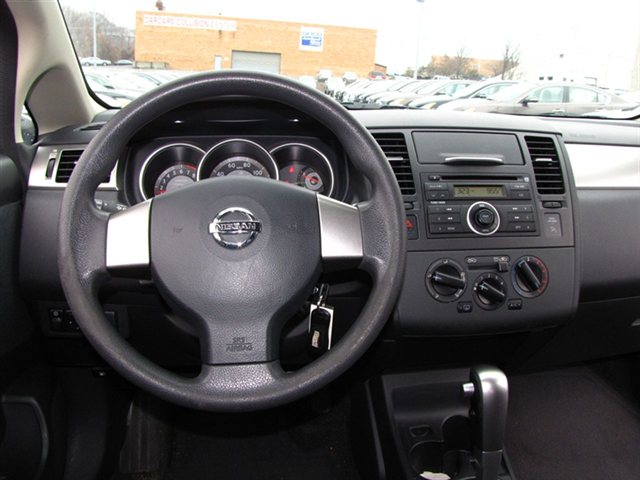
[(452, 455)]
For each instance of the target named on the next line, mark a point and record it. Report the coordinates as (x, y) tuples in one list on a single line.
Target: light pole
[(95, 43), (419, 29)]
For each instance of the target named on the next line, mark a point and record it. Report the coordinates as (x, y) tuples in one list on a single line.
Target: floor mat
[(288, 444), (571, 424)]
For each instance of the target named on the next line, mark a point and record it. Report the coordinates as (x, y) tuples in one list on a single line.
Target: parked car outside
[(446, 88), (376, 75), (409, 87), (399, 83), (550, 99), (95, 61), (475, 90)]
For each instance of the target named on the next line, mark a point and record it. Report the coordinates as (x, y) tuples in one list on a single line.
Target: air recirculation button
[(446, 280)]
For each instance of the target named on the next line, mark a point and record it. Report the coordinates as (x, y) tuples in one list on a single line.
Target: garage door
[(256, 61)]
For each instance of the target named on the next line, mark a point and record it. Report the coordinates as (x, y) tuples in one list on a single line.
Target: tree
[(510, 60), (460, 64), (112, 41)]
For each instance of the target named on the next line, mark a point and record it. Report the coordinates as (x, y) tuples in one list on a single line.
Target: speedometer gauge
[(174, 177), (237, 156), (240, 166)]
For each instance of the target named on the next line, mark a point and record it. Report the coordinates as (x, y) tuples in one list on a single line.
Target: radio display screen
[(472, 191)]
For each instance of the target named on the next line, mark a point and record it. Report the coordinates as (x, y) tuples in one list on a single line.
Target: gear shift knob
[(489, 403)]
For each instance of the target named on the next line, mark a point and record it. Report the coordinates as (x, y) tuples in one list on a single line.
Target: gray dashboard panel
[(610, 231)]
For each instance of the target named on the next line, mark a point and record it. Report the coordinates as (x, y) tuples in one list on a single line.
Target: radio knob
[(530, 276), (490, 292), (483, 218), (446, 280)]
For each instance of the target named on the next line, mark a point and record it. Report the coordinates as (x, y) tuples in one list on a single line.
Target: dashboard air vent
[(66, 164), (546, 165), (394, 147)]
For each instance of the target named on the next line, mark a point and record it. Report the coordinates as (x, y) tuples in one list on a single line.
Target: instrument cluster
[(175, 165)]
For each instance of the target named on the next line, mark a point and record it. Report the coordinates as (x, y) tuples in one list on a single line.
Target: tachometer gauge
[(174, 177), (240, 166), (304, 176), (305, 166), (311, 179)]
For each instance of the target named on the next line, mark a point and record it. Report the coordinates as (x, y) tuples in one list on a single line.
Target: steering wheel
[(234, 256)]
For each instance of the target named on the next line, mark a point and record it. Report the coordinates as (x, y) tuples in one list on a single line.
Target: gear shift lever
[(489, 392)]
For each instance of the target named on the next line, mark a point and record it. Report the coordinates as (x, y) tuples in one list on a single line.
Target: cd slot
[(481, 178)]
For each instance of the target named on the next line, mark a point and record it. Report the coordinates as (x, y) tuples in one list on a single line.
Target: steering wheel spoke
[(127, 246), (340, 234)]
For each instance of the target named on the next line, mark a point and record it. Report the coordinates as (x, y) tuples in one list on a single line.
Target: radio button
[(520, 208), (445, 228), (521, 217), (438, 195), (521, 195), (445, 218), (519, 186), (444, 209), (521, 227), (436, 186)]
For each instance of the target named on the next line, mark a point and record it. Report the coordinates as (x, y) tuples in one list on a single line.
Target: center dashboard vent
[(394, 147), (546, 165), (67, 162)]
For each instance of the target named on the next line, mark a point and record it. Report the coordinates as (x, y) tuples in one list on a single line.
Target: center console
[(491, 233)]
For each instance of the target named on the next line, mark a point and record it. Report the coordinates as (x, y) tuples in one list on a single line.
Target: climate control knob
[(483, 218), (446, 280), (489, 291), (530, 276)]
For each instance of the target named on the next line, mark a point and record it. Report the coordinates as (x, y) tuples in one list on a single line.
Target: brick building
[(189, 42)]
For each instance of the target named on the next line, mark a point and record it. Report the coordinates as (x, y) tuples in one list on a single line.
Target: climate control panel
[(496, 280), (454, 292)]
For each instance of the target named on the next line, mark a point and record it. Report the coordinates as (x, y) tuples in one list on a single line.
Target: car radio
[(480, 205)]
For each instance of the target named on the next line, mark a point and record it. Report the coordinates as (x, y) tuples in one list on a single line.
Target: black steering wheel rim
[(248, 386)]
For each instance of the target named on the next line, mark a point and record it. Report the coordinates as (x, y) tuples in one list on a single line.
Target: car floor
[(570, 423), (294, 442), (574, 423)]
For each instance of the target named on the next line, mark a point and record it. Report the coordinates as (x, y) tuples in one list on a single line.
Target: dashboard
[(501, 234)]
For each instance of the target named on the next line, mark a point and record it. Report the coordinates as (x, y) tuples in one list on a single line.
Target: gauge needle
[(310, 178)]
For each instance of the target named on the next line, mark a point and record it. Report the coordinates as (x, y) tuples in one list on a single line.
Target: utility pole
[(95, 43), (419, 29)]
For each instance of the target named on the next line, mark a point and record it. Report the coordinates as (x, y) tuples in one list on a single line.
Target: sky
[(540, 28)]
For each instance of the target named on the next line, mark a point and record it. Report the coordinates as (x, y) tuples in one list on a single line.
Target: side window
[(548, 94), (448, 90), (497, 88), (457, 87), (583, 95)]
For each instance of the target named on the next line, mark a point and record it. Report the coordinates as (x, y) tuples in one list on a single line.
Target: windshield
[(348, 48)]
